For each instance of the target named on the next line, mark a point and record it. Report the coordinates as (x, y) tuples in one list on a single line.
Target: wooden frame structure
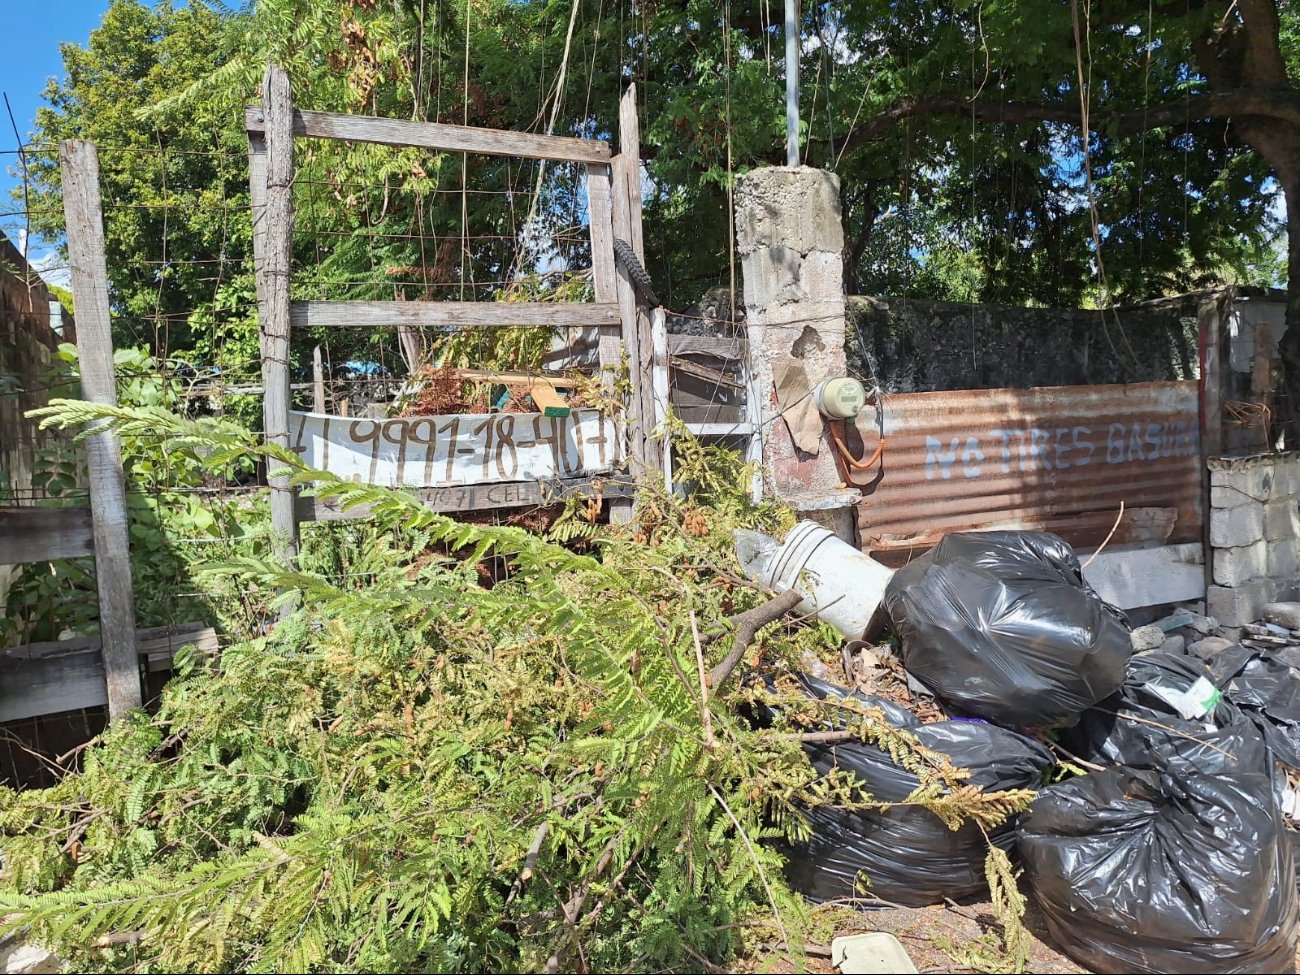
[(613, 185), (45, 534), (66, 675)]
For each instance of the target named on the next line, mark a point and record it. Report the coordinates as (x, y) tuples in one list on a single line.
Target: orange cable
[(857, 465)]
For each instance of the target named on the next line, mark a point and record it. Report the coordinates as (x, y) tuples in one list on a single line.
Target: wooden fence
[(624, 324), (107, 670)]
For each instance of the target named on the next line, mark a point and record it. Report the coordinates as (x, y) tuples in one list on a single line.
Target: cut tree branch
[(747, 625), (1280, 104)]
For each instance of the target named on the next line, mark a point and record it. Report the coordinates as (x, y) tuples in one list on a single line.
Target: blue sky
[(33, 31)]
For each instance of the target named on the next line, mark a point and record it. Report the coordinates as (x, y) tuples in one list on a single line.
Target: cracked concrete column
[(791, 244)]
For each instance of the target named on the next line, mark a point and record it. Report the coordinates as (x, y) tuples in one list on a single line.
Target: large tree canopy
[(1049, 152)]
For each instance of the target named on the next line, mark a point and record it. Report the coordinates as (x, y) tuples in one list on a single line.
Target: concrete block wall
[(1254, 534)]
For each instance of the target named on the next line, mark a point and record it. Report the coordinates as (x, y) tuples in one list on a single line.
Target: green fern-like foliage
[(419, 772)]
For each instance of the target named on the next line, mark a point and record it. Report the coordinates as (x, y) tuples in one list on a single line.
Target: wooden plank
[(437, 136), (546, 398), (704, 372), (273, 269), (720, 429), (476, 497), (79, 163), (68, 675), (688, 391), (661, 391), (1209, 321), (710, 413), (732, 349), (604, 270), (452, 314), (43, 534), (506, 376), (317, 382)]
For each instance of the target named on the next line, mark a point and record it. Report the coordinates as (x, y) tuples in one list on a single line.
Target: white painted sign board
[(441, 451)]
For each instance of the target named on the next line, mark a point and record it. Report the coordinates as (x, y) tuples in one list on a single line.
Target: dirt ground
[(923, 932)]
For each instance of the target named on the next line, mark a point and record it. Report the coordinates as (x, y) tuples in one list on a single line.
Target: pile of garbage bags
[(1159, 843), (914, 858)]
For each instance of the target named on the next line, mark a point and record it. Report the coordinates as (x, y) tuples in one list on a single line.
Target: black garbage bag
[(1163, 871), (1139, 727), (906, 853), (1002, 625), (1263, 685)]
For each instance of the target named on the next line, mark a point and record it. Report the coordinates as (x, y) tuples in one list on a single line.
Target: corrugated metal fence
[(1060, 459)]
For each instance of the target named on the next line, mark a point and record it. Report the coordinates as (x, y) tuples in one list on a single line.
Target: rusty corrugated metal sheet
[(1060, 459)]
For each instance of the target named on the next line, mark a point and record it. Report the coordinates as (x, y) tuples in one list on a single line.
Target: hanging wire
[(1083, 36), (1142, 153)]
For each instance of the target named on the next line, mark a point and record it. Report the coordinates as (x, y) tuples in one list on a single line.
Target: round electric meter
[(840, 399)]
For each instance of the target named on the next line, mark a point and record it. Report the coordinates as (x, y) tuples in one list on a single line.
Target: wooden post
[(661, 391), (79, 163), (317, 382), (1209, 321), (604, 269), (645, 453), (412, 348), (630, 143), (626, 292), (1210, 328), (270, 174), (754, 421)]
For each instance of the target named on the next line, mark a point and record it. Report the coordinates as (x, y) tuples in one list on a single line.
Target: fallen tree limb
[(747, 625), (530, 861)]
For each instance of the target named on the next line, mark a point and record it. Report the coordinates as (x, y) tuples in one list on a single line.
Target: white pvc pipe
[(791, 83)]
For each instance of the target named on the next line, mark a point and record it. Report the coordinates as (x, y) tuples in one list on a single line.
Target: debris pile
[(1165, 758)]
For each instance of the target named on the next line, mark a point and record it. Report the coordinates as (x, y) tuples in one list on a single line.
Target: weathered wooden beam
[(68, 675), (741, 429), (661, 393), (627, 161), (271, 191), (724, 348), (452, 314), (677, 364), (437, 136), (317, 382), (641, 351), (479, 497), (600, 181), (44, 534), (510, 376), (84, 218)]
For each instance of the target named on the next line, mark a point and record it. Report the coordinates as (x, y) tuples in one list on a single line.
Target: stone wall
[(919, 346), (1254, 534)]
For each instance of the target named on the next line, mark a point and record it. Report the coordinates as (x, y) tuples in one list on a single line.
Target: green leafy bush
[(417, 771)]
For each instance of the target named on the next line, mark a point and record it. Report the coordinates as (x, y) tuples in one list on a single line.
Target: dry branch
[(747, 625)]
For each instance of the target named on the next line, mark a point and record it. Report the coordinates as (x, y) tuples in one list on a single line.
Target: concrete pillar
[(791, 244)]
